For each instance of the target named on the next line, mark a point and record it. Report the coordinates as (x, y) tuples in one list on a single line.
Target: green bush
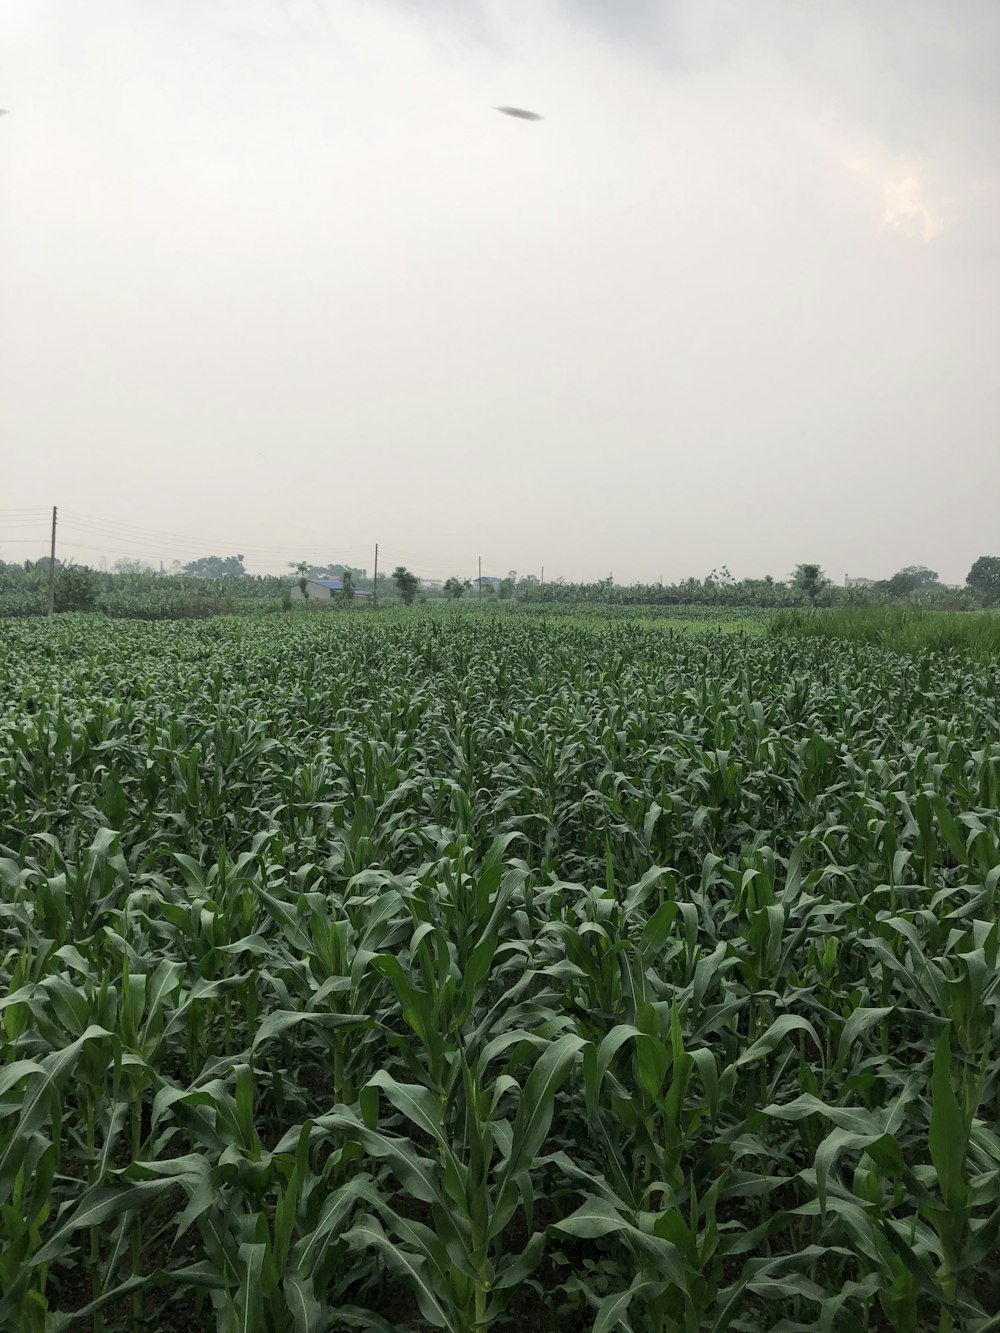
[(75, 588)]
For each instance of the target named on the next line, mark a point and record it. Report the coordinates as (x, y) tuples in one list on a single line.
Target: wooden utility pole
[(480, 579), (52, 565), (375, 582)]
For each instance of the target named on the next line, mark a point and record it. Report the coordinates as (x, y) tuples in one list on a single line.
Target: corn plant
[(489, 970)]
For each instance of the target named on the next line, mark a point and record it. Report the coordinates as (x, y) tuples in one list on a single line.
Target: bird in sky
[(519, 113)]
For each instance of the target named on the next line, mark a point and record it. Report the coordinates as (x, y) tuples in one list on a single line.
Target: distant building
[(321, 590), (857, 582)]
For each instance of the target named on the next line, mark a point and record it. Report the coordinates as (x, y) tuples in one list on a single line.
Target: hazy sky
[(276, 278)]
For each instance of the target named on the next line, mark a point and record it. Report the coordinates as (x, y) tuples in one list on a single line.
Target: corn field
[(495, 973)]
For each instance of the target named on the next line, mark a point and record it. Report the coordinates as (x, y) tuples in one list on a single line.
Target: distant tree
[(455, 588), (75, 588), (407, 583), (912, 578), (983, 580), (216, 567), (809, 581), (505, 589), (337, 572), (347, 586), (301, 568), (126, 566)]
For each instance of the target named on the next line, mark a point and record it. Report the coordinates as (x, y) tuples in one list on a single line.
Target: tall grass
[(898, 629)]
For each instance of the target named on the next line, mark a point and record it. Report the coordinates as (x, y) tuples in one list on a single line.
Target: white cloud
[(910, 210), (904, 198)]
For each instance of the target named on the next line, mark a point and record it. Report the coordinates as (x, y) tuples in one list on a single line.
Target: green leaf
[(308, 1315), (860, 1023), (778, 1032), (99, 1203), (368, 1234), (597, 1217), (515, 1269), (418, 1104), (534, 1114), (613, 1309), (250, 1297), (594, 1218), (280, 1020), (948, 1135)]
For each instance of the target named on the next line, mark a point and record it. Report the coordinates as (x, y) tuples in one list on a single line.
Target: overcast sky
[(275, 277)]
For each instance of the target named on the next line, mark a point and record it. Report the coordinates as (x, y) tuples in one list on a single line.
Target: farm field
[(497, 973), (668, 619)]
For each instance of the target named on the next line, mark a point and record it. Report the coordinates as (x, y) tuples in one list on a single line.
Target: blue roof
[(337, 585)]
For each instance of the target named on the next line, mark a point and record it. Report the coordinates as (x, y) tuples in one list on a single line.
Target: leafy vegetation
[(809, 583), (808, 586), (899, 629), (984, 579), (134, 594), (495, 972), (217, 585), (216, 567), (407, 584)]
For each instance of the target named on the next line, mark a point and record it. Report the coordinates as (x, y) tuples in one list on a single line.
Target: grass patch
[(899, 629)]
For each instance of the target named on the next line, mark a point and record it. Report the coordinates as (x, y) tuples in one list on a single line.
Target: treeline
[(764, 593), (135, 595), (913, 586), (142, 594)]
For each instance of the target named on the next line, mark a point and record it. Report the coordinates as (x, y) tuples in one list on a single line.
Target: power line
[(114, 527), (122, 531), (117, 541), (123, 534), (126, 541), (117, 537)]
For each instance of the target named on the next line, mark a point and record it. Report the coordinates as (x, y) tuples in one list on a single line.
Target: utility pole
[(52, 565), (375, 582), (480, 579)]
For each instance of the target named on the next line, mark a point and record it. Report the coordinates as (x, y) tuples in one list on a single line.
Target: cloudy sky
[(276, 278)]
